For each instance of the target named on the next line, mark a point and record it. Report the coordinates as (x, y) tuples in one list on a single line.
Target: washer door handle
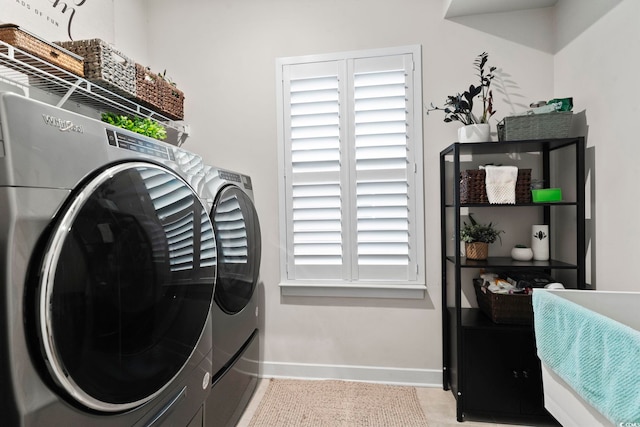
[(167, 408)]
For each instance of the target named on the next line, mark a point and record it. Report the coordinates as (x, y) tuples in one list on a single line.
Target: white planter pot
[(474, 133), (521, 254)]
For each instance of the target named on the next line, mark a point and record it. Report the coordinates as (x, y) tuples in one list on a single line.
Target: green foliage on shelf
[(141, 125), (475, 232)]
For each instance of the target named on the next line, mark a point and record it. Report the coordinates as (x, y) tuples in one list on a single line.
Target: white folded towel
[(500, 183)]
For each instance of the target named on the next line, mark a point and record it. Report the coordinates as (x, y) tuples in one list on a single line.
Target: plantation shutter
[(384, 167), (312, 92), (350, 170)]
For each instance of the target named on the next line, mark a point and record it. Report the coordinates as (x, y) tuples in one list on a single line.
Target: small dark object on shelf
[(527, 279)]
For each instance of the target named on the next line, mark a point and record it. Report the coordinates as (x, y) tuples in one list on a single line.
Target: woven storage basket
[(158, 94), (473, 188), (50, 52), (535, 126), (172, 101), (148, 88), (504, 308), (105, 66)]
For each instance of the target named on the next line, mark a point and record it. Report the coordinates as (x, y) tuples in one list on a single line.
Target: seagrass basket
[(473, 188), (105, 66), (155, 92), (148, 91), (172, 101), (535, 126), (50, 52)]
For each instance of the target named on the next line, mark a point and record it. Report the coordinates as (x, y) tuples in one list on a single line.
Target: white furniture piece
[(561, 398), (567, 406)]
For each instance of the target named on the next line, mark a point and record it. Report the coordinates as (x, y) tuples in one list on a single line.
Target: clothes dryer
[(107, 274), (236, 308)]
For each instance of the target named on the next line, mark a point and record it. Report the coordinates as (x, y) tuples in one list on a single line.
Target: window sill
[(350, 291)]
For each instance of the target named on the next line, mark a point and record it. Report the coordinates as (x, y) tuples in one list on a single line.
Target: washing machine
[(107, 275), (236, 309)]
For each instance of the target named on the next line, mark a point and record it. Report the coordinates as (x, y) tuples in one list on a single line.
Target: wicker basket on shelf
[(473, 188), (172, 101), (155, 92), (50, 52), (148, 88), (535, 126), (105, 66), (504, 308)]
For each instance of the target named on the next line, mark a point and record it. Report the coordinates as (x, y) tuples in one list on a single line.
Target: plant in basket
[(477, 238)]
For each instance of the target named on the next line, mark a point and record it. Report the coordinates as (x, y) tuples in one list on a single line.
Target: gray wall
[(222, 53), (227, 71)]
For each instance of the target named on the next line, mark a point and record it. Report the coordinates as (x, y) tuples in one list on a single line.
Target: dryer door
[(235, 221), (126, 286)]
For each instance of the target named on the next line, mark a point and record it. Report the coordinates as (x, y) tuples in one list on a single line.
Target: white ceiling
[(455, 8)]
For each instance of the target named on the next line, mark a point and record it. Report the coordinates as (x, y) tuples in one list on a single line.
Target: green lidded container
[(546, 195)]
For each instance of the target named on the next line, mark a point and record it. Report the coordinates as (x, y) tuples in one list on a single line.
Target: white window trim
[(314, 288)]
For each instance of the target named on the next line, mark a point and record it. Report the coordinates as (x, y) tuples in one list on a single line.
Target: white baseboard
[(385, 375)]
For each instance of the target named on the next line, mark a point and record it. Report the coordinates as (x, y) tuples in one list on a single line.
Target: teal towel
[(597, 356)]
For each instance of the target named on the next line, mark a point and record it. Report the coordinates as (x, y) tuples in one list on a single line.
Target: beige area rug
[(332, 403)]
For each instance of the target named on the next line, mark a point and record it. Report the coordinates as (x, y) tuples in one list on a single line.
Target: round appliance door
[(126, 286), (237, 229)]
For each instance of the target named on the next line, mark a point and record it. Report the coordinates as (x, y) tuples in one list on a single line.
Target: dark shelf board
[(515, 205), (508, 262), (524, 146)]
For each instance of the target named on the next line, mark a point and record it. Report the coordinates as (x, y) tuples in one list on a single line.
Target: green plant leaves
[(462, 104), (475, 232), (142, 125)]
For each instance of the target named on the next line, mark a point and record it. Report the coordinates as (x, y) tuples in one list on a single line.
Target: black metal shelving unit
[(492, 369)]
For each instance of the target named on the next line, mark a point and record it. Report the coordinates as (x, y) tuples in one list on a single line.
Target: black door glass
[(239, 249), (132, 287)]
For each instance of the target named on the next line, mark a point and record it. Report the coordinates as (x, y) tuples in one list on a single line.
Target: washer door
[(237, 229), (126, 286)]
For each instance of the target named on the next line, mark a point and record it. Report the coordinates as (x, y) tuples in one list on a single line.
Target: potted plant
[(459, 107), (477, 238)]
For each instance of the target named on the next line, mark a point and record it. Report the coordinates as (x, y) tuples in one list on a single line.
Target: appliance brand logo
[(63, 125)]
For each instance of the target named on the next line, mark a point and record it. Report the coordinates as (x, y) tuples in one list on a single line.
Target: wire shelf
[(26, 70)]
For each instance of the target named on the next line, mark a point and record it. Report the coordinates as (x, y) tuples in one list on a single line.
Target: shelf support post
[(70, 91)]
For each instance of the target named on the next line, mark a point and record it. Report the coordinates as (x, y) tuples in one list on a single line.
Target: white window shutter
[(383, 167), (350, 159), (314, 173)]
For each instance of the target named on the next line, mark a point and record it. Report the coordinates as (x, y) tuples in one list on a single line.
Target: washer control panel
[(229, 176), (235, 177), (139, 145)]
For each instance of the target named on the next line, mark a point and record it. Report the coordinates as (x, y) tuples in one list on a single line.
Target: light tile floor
[(438, 405)]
